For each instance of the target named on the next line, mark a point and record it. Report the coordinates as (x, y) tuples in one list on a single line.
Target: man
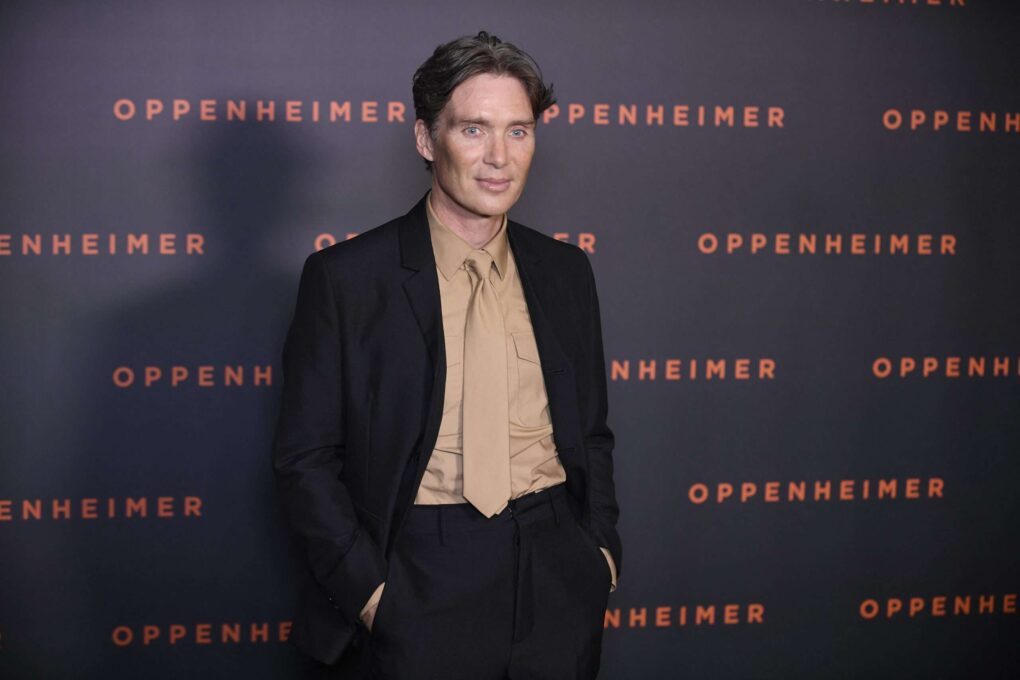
[(442, 449)]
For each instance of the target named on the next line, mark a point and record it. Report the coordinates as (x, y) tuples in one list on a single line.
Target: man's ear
[(423, 140)]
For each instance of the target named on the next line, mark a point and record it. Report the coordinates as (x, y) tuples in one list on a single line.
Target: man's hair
[(454, 62)]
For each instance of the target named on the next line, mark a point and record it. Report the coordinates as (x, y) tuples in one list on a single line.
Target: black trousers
[(521, 595)]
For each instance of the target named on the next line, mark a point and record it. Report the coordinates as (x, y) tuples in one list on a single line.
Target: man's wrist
[(612, 566), (368, 611)]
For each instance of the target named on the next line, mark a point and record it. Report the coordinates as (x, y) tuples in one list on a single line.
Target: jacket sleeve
[(308, 450), (598, 438)]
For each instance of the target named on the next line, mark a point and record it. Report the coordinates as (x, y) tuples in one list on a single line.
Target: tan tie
[(486, 394)]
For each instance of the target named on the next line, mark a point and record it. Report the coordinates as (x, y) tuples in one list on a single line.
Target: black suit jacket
[(364, 368)]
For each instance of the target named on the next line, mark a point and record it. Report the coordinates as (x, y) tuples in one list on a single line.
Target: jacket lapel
[(422, 290), (422, 286), (537, 296)]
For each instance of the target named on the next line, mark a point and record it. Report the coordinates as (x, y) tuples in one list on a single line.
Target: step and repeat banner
[(802, 215)]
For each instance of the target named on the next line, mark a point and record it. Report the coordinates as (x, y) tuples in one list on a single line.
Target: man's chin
[(495, 206), (489, 208), (483, 204)]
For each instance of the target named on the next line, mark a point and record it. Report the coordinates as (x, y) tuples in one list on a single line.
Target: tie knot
[(480, 261)]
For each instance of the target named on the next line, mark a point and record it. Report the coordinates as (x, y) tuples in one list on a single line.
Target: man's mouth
[(494, 184)]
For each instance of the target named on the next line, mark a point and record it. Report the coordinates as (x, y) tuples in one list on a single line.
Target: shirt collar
[(451, 250)]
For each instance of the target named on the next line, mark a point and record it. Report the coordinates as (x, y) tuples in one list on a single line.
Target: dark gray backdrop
[(77, 595)]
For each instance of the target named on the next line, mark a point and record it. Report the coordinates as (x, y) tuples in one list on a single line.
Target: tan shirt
[(534, 463)]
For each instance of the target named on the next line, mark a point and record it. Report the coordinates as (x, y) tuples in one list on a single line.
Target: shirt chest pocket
[(531, 402)]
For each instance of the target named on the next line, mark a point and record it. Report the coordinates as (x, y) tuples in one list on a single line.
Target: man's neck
[(475, 229)]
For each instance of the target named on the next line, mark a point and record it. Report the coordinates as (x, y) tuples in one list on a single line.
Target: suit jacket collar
[(451, 250), (416, 243), (422, 288)]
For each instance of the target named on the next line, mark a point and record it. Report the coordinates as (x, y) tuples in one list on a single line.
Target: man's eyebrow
[(530, 122)]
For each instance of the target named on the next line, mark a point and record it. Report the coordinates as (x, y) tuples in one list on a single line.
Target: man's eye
[(472, 130), (518, 133)]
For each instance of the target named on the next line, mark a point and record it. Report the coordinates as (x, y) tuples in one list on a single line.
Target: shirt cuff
[(373, 601), (612, 567)]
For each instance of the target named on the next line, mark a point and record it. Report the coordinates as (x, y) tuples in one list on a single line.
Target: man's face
[(483, 146)]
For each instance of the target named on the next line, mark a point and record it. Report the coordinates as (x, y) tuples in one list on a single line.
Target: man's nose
[(496, 151)]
